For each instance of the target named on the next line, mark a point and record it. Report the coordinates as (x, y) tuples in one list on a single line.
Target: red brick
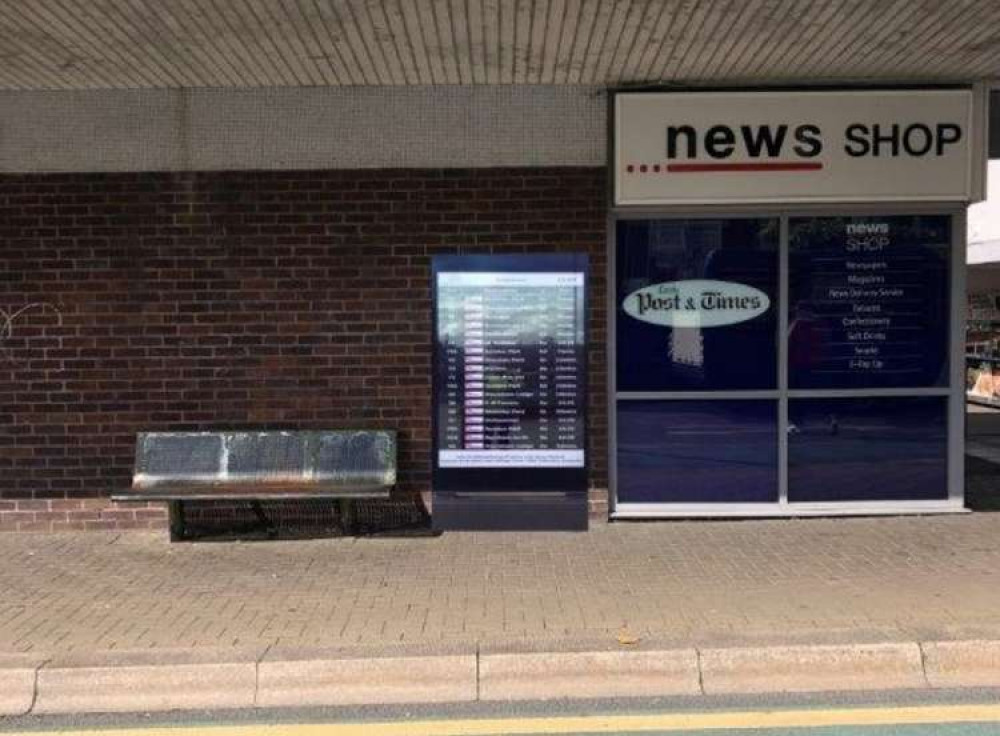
[(33, 505), (100, 525), (116, 515), (34, 526), (69, 526), (150, 514), (217, 300), (50, 516)]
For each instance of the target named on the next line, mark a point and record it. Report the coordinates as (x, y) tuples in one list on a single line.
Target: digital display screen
[(869, 301), (509, 370)]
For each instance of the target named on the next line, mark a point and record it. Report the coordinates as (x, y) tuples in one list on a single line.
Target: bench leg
[(258, 510), (346, 515), (175, 512)]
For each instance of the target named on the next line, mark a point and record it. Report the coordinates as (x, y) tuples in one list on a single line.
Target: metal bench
[(259, 466)]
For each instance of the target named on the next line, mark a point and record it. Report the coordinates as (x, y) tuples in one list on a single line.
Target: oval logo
[(696, 303)]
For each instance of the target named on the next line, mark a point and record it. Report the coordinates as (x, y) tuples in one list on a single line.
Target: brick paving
[(688, 582)]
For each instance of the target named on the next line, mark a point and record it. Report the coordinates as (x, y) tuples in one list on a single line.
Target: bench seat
[(260, 466)]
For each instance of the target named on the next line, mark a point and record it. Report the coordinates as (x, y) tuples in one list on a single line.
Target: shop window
[(868, 302), (697, 304), (697, 451), (867, 449)]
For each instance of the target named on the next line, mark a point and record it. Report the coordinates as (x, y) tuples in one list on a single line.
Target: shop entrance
[(787, 363)]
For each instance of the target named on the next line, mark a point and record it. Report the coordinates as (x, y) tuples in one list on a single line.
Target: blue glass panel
[(868, 301), (697, 451), (700, 271), (876, 449)]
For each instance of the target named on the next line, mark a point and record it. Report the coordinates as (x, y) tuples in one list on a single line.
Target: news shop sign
[(805, 146)]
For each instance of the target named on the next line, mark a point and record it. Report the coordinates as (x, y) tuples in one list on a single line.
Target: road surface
[(942, 713)]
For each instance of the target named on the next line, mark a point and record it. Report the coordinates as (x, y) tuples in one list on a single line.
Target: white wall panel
[(302, 128)]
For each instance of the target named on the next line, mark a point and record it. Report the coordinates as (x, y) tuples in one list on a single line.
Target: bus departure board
[(510, 374)]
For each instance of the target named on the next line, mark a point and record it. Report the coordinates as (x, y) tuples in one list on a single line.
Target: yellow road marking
[(915, 715)]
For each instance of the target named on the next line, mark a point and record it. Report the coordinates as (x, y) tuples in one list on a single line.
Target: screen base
[(509, 511)]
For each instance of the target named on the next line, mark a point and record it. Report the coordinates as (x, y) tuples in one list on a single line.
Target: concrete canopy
[(102, 44)]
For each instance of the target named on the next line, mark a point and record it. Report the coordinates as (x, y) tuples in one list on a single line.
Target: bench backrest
[(355, 458)]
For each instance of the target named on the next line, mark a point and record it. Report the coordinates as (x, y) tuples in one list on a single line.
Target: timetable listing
[(511, 355)]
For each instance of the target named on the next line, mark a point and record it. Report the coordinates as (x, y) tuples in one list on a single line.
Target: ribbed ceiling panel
[(82, 44)]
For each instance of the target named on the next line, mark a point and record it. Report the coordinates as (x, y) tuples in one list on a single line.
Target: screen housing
[(509, 479)]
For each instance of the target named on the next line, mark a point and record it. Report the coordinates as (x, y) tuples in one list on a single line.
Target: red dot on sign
[(656, 168), (630, 168), (643, 168)]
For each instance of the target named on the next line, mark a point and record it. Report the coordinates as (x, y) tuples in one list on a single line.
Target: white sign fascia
[(804, 146)]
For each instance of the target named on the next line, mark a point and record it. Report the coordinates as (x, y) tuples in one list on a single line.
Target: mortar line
[(923, 663), (701, 674), (34, 689), (256, 673), (478, 692)]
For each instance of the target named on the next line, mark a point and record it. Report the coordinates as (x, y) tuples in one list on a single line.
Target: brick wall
[(255, 299)]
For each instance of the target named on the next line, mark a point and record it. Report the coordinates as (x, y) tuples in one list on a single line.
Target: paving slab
[(665, 586), (695, 583)]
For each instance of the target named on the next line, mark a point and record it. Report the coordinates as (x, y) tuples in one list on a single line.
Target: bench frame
[(176, 492), (178, 522)]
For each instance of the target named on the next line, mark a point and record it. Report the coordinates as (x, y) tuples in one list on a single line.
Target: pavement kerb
[(969, 663), (797, 668), (586, 669), (273, 677), (148, 680), (345, 676)]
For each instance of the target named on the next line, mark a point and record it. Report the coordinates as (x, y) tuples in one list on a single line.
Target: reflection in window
[(868, 301), (867, 449), (697, 451), (675, 263)]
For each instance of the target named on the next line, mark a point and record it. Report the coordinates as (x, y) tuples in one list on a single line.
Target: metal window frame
[(954, 391)]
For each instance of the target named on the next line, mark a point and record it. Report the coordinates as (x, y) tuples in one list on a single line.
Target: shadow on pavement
[(213, 521), (982, 484)]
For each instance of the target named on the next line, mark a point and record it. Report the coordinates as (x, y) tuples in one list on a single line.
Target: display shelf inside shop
[(982, 383)]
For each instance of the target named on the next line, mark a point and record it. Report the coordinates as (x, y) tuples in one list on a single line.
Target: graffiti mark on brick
[(9, 320)]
